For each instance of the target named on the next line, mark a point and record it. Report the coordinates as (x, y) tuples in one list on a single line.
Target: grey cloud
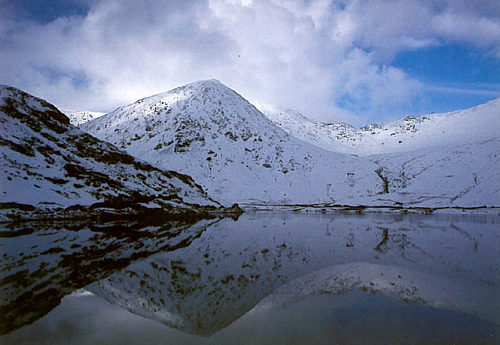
[(317, 56)]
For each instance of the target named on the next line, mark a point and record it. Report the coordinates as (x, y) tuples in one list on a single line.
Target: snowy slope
[(210, 132), (77, 118), (410, 133), (336, 137), (450, 159), (458, 176), (48, 164)]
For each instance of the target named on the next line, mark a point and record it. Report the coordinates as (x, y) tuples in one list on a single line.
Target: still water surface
[(267, 278)]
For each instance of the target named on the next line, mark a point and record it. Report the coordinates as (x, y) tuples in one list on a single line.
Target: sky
[(354, 61)]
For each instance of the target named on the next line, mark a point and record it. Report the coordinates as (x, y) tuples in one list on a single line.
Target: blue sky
[(459, 76), (46, 11), (357, 61)]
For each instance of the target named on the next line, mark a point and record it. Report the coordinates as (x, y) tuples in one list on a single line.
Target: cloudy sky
[(359, 61)]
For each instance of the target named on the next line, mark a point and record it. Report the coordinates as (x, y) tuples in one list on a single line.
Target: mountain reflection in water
[(43, 262), (201, 279)]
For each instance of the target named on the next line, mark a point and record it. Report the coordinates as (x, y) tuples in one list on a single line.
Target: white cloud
[(484, 90), (368, 88), (468, 28), (328, 59)]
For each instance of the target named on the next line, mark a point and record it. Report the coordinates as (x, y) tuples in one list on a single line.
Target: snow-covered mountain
[(410, 133), (48, 165), (77, 118), (210, 132), (237, 154)]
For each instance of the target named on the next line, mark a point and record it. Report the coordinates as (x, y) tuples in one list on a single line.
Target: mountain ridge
[(78, 117), (406, 134), (51, 168)]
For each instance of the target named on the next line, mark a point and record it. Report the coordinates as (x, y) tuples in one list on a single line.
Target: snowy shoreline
[(26, 213), (486, 210)]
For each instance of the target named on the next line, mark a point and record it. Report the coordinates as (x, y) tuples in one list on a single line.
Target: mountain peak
[(48, 165), (237, 154), (185, 118), (209, 82), (232, 149), (200, 87)]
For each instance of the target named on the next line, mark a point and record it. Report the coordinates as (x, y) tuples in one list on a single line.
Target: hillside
[(437, 160), (465, 175), (51, 168)]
